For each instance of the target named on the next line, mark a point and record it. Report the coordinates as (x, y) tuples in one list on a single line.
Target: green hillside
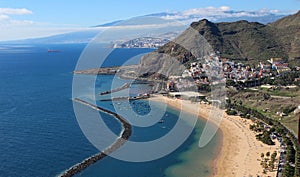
[(242, 40)]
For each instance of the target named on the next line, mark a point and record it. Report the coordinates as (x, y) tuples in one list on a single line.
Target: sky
[(33, 18)]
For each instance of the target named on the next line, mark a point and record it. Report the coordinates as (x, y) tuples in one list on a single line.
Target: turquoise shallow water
[(187, 160), (39, 132)]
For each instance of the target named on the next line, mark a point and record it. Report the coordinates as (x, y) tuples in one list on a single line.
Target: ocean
[(40, 135)]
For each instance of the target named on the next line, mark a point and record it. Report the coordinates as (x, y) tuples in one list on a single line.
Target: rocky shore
[(125, 134), (130, 72), (108, 70)]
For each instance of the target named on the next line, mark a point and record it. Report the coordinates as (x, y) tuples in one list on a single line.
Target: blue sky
[(66, 15)]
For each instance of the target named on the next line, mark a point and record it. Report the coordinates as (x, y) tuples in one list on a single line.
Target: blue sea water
[(39, 132)]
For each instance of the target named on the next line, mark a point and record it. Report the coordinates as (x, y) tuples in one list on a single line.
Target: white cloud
[(11, 11), (206, 11), (174, 17), (21, 22), (274, 11), (4, 17), (214, 13), (224, 8), (7, 21), (10, 26)]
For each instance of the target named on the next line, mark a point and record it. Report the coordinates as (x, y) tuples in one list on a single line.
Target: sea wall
[(125, 134)]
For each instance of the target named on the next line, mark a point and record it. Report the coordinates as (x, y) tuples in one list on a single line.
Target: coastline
[(214, 162), (239, 151)]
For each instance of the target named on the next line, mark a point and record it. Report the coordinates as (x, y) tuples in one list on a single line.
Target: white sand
[(240, 151)]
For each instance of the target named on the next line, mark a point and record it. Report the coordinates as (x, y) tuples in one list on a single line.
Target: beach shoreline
[(238, 153), (214, 162)]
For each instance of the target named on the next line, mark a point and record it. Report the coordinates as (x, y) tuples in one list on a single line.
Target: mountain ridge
[(251, 40), (242, 40)]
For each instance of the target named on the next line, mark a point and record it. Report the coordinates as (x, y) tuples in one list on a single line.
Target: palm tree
[(271, 165), (262, 155)]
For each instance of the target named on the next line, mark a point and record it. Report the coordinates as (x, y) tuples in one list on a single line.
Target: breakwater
[(124, 135), (125, 86), (127, 98)]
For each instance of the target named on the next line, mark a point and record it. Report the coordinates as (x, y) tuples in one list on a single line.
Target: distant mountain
[(225, 16), (185, 17), (72, 37), (110, 23), (241, 40)]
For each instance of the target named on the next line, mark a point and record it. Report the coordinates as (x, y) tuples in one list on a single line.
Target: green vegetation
[(284, 79), (287, 31), (241, 40), (231, 112), (264, 135), (268, 163), (288, 110), (278, 103), (265, 138), (290, 151), (248, 42), (282, 92), (297, 161), (288, 171)]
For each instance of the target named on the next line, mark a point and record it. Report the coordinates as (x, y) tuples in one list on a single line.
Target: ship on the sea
[(53, 51)]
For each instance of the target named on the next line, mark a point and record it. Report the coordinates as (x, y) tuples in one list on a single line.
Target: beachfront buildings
[(279, 65), (143, 42), (203, 72)]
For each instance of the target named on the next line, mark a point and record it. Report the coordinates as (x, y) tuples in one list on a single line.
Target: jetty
[(145, 96), (124, 86), (124, 135)]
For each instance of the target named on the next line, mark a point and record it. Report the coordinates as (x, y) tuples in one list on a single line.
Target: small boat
[(53, 51), (161, 121)]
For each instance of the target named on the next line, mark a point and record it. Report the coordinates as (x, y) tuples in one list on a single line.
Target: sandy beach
[(240, 152)]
